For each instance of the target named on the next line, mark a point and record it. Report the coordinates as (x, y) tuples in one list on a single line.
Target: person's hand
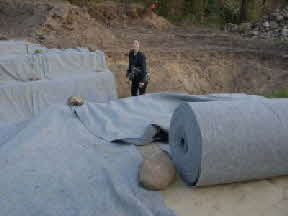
[(141, 85)]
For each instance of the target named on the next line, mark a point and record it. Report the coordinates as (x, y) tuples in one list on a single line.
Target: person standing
[(137, 72)]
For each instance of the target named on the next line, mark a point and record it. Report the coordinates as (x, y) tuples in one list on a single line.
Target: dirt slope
[(114, 14), (202, 61), (52, 24)]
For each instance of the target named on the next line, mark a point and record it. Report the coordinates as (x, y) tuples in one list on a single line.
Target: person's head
[(136, 45)]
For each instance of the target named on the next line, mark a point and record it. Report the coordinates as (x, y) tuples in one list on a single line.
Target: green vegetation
[(227, 11), (281, 93), (38, 51), (219, 11)]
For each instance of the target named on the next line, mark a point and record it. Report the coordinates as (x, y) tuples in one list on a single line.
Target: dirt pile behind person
[(64, 25), (114, 14), (60, 25), (19, 19)]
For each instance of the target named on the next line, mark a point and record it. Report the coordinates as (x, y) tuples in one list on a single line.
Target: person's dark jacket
[(138, 61)]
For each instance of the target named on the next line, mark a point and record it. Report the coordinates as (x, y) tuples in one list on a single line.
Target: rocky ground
[(273, 26)]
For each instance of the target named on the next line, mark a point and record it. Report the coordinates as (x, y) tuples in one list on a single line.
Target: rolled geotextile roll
[(222, 142)]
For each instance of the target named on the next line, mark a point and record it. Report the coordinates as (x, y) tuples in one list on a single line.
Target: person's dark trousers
[(135, 88)]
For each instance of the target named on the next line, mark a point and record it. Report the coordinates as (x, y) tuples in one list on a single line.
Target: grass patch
[(281, 93)]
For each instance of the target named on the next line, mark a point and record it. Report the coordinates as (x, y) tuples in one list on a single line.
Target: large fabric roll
[(130, 119), (222, 142)]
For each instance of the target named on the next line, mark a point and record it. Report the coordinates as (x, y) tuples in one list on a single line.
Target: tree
[(243, 11), (251, 9), (196, 7)]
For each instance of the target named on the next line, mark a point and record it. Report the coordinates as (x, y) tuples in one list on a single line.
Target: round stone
[(75, 101), (157, 173)]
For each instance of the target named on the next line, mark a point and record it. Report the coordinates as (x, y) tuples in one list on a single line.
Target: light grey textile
[(22, 100), (17, 61), (20, 68), (10, 130), (62, 73), (130, 119), (51, 64), (61, 161), (223, 142), (14, 47), (53, 166), (57, 64)]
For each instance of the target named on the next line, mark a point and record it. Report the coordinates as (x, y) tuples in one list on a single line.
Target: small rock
[(157, 173), (274, 24), (34, 78), (275, 14), (232, 27), (266, 24), (255, 33), (244, 27), (279, 18), (3, 37), (284, 32), (75, 101), (59, 12), (92, 47), (41, 37)]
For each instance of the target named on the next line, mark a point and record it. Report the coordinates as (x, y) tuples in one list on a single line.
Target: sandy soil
[(257, 198), (268, 197)]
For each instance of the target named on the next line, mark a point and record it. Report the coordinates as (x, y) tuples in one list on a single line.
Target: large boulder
[(157, 172)]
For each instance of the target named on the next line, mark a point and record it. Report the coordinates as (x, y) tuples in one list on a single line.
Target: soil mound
[(60, 25), (115, 14)]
